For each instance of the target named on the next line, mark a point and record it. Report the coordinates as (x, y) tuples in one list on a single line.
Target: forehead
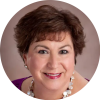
[(60, 39)]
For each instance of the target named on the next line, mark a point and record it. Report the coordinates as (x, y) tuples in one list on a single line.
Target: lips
[(52, 73)]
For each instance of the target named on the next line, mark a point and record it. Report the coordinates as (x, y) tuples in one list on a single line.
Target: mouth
[(53, 74)]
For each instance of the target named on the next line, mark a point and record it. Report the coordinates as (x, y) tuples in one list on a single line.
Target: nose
[(53, 62)]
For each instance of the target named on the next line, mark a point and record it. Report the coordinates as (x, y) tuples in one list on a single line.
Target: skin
[(51, 57)]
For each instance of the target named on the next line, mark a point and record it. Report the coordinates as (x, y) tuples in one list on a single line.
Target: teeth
[(52, 74)]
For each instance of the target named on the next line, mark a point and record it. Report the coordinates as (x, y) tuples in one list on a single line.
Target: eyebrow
[(48, 48)]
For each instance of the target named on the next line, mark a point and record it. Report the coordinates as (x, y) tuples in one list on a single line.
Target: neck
[(41, 92)]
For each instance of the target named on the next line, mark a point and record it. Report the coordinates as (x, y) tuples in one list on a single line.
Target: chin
[(53, 85), (53, 88)]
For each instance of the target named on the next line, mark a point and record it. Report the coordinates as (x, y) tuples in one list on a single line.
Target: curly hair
[(46, 22)]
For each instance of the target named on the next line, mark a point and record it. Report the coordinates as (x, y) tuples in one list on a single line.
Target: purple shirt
[(18, 82)]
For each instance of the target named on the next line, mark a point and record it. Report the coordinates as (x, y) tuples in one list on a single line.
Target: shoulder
[(26, 84), (18, 82), (80, 81), (80, 78)]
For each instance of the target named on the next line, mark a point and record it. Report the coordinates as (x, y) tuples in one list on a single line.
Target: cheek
[(36, 63), (35, 66), (69, 63)]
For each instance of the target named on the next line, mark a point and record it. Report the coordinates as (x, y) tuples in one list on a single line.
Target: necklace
[(65, 93)]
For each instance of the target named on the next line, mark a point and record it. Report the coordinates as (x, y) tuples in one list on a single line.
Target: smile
[(53, 75)]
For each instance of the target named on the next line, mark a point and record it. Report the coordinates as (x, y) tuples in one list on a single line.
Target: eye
[(42, 51), (63, 52), (45, 52)]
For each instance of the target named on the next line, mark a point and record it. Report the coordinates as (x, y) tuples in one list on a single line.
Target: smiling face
[(51, 63)]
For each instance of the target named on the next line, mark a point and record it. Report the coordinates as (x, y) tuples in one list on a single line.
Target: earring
[(25, 66)]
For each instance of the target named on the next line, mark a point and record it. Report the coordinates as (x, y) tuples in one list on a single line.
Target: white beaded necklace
[(65, 93)]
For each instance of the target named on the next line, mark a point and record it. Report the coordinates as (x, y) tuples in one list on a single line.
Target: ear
[(25, 58)]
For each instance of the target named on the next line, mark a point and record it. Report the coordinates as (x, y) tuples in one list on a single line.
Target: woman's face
[(51, 63)]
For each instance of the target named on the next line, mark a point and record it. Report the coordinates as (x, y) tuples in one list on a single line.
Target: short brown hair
[(48, 21)]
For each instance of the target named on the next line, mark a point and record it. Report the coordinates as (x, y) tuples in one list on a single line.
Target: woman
[(49, 41)]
